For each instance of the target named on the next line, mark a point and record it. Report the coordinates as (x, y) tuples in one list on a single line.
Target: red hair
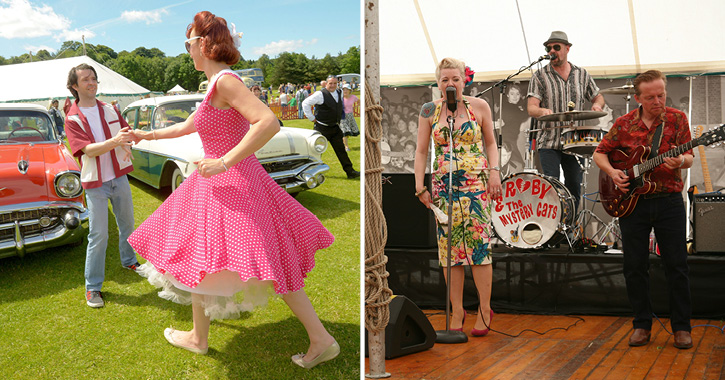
[(217, 43)]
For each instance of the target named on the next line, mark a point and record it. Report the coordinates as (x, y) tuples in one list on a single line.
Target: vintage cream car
[(41, 198), (293, 157)]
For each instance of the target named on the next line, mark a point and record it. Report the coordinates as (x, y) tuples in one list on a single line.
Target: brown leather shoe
[(683, 340), (639, 337)]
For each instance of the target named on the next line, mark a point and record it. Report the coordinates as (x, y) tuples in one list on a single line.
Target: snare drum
[(534, 209), (582, 140)]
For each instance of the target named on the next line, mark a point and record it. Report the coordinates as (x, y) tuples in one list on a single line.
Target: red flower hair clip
[(469, 75)]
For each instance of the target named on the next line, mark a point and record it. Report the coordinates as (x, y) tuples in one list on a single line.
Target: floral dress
[(471, 216)]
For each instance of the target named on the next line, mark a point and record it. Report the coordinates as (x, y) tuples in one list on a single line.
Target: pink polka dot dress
[(230, 236)]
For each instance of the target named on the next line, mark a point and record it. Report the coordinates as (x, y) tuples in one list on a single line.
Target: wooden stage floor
[(595, 348)]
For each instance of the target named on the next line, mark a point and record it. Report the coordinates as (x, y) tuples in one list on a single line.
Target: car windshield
[(177, 112), (17, 126)]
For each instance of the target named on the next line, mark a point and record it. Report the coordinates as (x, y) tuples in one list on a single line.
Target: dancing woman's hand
[(210, 166)]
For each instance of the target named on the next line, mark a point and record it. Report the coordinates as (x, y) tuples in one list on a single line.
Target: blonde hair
[(451, 63)]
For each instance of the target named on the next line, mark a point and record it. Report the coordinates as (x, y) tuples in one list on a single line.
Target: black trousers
[(334, 135), (667, 216)]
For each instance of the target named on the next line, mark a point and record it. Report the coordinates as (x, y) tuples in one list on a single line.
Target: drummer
[(550, 91)]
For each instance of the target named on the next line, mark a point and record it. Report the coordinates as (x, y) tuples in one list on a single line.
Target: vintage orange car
[(41, 198)]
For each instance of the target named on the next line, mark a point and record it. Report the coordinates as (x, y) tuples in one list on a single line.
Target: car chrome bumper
[(36, 226), (302, 178)]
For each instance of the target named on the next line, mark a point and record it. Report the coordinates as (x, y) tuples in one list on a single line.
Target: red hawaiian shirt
[(629, 132)]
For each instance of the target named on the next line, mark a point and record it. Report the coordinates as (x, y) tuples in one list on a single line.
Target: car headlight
[(320, 144), (68, 185)]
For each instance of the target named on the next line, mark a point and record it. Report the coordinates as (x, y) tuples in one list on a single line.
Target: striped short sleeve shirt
[(555, 93)]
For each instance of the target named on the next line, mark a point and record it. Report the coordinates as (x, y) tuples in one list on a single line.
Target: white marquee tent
[(610, 38), (38, 82), (177, 90)]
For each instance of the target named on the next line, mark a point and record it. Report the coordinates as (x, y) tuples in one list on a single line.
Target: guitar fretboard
[(654, 162), (703, 161)]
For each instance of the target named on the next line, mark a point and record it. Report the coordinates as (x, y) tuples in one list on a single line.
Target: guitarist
[(662, 209)]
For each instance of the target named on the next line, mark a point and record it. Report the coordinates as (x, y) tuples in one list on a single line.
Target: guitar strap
[(656, 141)]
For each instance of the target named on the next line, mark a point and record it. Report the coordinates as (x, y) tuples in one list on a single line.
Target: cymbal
[(572, 115), (621, 90)]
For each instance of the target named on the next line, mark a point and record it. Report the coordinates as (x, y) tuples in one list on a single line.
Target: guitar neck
[(703, 161), (660, 159), (705, 170)]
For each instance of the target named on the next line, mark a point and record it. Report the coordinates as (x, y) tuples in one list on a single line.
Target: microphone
[(548, 56), (451, 98)]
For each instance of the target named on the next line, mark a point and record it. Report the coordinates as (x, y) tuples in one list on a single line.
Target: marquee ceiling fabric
[(610, 39), (35, 81)]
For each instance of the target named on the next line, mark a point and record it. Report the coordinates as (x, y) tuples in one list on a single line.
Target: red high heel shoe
[(477, 332), (462, 323)]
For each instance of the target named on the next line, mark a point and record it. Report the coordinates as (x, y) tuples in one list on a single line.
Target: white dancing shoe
[(168, 335), (330, 353)]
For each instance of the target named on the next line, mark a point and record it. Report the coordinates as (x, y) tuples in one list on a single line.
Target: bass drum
[(534, 209)]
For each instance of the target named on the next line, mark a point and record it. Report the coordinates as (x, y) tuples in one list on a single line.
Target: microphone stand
[(502, 85), (448, 336)]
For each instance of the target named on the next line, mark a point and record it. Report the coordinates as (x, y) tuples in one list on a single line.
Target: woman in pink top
[(348, 123)]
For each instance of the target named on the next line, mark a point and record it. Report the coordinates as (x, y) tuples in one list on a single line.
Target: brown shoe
[(683, 340), (639, 337)]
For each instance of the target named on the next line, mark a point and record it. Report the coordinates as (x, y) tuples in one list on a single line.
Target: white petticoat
[(224, 294)]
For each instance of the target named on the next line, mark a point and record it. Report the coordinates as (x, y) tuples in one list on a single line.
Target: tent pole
[(377, 293), (635, 45)]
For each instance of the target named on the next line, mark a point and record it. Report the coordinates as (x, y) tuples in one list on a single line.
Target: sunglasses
[(187, 43), (556, 47)]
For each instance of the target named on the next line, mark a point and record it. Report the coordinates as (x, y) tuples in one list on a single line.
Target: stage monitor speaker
[(709, 218), (408, 332), (410, 224)]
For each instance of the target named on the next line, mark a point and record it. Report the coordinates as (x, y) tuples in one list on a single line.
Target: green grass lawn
[(48, 332)]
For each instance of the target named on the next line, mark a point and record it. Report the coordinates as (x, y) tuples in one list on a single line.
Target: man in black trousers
[(328, 113)]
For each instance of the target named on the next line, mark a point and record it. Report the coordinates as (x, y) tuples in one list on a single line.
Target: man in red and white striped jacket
[(101, 139)]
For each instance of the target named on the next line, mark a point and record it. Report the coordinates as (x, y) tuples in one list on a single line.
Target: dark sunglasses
[(556, 47), (187, 43)]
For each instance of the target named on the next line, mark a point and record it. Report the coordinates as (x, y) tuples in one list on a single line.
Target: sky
[(311, 27)]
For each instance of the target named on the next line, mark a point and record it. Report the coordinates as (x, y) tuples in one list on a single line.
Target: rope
[(377, 293)]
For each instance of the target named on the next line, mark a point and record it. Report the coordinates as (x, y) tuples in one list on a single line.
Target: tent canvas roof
[(610, 39), (177, 88), (43, 80)]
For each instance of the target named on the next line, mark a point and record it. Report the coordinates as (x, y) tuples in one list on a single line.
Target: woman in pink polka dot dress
[(229, 231)]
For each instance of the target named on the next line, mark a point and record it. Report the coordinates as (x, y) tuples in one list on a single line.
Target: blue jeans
[(300, 111), (551, 159), (667, 216), (118, 191)]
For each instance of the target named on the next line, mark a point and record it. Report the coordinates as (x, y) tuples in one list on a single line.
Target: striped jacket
[(554, 93), (80, 135)]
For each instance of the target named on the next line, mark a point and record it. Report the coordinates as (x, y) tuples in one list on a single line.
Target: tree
[(180, 70), (264, 63), (350, 61), (70, 49), (152, 69), (148, 53), (42, 55), (327, 66)]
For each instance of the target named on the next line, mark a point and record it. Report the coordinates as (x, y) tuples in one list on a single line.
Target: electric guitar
[(703, 161), (637, 168)]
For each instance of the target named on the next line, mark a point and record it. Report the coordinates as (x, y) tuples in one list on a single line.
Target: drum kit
[(536, 210)]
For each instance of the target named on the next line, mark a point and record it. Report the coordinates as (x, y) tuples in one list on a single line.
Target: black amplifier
[(708, 219), (710, 197)]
